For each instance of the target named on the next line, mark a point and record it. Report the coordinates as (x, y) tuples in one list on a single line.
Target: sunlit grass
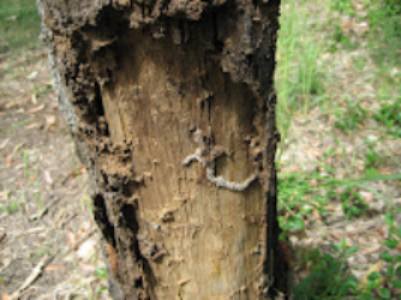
[(299, 81), (19, 25), (301, 85)]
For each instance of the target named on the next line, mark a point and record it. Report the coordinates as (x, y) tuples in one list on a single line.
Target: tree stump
[(172, 107)]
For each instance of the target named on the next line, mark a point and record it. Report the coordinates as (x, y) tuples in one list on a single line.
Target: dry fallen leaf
[(4, 143), (50, 121)]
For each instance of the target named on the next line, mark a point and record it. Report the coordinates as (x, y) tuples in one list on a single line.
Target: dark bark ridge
[(87, 40)]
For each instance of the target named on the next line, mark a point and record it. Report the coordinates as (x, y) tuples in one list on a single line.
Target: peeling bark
[(172, 107)]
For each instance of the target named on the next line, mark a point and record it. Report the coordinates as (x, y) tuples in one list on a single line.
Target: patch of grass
[(373, 159), (328, 278), (389, 115), (385, 283), (298, 80), (306, 197), (19, 25), (101, 273), (11, 207), (302, 195), (343, 6), (384, 17), (340, 40), (350, 117), (26, 161), (298, 200), (352, 203), (359, 63)]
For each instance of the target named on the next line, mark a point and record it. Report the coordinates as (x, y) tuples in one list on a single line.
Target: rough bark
[(172, 106)]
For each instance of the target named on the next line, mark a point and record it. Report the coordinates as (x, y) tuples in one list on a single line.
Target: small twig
[(74, 173), (44, 211), (35, 274), (67, 220), (33, 230)]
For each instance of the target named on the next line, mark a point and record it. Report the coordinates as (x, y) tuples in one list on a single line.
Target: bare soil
[(45, 220)]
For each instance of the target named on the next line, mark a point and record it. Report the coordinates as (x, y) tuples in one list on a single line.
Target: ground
[(45, 214), (339, 113)]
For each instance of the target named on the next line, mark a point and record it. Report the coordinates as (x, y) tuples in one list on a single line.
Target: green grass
[(389, 115), (373, 158), (328, 278), (299, 198), (384, 42), (303, 196), (350, 117), (299, 80), (301, 83), (102, 273), (10, 208), (352, 203), (343, 6), (19, 25), (385, 284), (384, 17), (340, 40)]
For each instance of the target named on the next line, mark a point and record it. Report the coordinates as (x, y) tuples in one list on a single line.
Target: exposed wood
[(172, 105)]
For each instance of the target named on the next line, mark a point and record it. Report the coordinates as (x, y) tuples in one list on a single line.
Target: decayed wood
[(171, 104)]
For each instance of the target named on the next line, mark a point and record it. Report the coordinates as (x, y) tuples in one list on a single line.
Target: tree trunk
[(172, 107)]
